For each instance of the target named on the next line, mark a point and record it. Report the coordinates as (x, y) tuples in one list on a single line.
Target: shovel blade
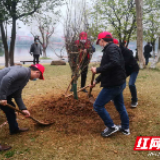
[(91, 99)]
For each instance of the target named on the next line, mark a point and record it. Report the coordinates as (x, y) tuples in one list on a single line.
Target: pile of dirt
[(74, 116)]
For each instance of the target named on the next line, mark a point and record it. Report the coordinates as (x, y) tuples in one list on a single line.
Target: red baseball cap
[(41, 68), (104, 34), (115, 41), (83, 36)]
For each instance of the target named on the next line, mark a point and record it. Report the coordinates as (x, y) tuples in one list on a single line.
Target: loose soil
[(74, 116)]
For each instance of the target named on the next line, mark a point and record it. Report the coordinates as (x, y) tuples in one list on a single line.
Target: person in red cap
[(85, 49), (113, 80), (12, 81), (132, 70)]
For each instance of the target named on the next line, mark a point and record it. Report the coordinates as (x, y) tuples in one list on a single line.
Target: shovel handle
[(77, 91), (10, 106), (43, 123), (93, 75)]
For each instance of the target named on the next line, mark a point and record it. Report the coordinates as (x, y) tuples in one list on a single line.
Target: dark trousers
[(11, 116), (147, 60), (84, 76), (132, 86), (35, 59)]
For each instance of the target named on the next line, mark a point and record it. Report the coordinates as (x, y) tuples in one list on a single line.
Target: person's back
[(147, 50), (15, 77), (131, 64)]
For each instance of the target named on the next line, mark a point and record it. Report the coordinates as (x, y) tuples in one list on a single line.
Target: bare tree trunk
[(139, 6), (12, 43), (156, 60), (153, 45), (4, 40), (44, 52)]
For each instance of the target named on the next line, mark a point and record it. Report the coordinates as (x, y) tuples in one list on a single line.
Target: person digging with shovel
[(12, 81), (113, 80)]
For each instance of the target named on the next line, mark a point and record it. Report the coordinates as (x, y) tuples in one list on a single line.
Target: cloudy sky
[(25, 30)]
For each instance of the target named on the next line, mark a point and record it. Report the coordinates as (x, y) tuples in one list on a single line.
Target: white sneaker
[(134, 104), (124, 131)]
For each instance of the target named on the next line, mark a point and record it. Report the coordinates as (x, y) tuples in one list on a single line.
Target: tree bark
[(153, 45), (156, 60), (44, 52), (4, 40), (139, 4), (12, 43)]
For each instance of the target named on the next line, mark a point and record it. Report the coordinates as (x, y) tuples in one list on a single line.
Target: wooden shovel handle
[(77, 91), (43, 123), (93, 75)]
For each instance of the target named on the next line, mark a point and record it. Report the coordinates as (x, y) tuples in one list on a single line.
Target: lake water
[(22, 53)]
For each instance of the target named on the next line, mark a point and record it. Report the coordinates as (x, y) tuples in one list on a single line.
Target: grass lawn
[(45, 58), (77, 136)]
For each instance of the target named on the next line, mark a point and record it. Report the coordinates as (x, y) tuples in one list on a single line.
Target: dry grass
[(54, 143)]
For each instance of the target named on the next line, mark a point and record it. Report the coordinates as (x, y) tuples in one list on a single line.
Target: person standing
[(12, 81), (36, 50), (85, 50), (147, 52), (132, 70), (113, 80)]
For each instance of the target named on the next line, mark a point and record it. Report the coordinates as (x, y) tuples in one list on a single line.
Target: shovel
[(37, 121), (91, 98)]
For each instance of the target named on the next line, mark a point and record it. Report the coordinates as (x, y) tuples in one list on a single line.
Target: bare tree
[(75, 22), (46, 26)]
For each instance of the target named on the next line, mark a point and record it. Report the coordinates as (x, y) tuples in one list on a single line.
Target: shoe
[(20, 130), (108, 131), (134, 104), (4, 147), (84, 90), (124, 131)]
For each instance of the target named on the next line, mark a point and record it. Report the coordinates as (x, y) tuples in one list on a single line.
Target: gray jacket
[(36, 49), (12, 81)]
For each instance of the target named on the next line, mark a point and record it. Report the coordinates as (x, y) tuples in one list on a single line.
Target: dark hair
[(122, 44), (108, 39), (34, 68)]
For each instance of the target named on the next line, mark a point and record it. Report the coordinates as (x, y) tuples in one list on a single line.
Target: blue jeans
[(11, 116), (115, 94), (132, 86)]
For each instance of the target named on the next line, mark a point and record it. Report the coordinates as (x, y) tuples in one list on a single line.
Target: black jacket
[(147, 50), (112, 67), (131, 64)]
